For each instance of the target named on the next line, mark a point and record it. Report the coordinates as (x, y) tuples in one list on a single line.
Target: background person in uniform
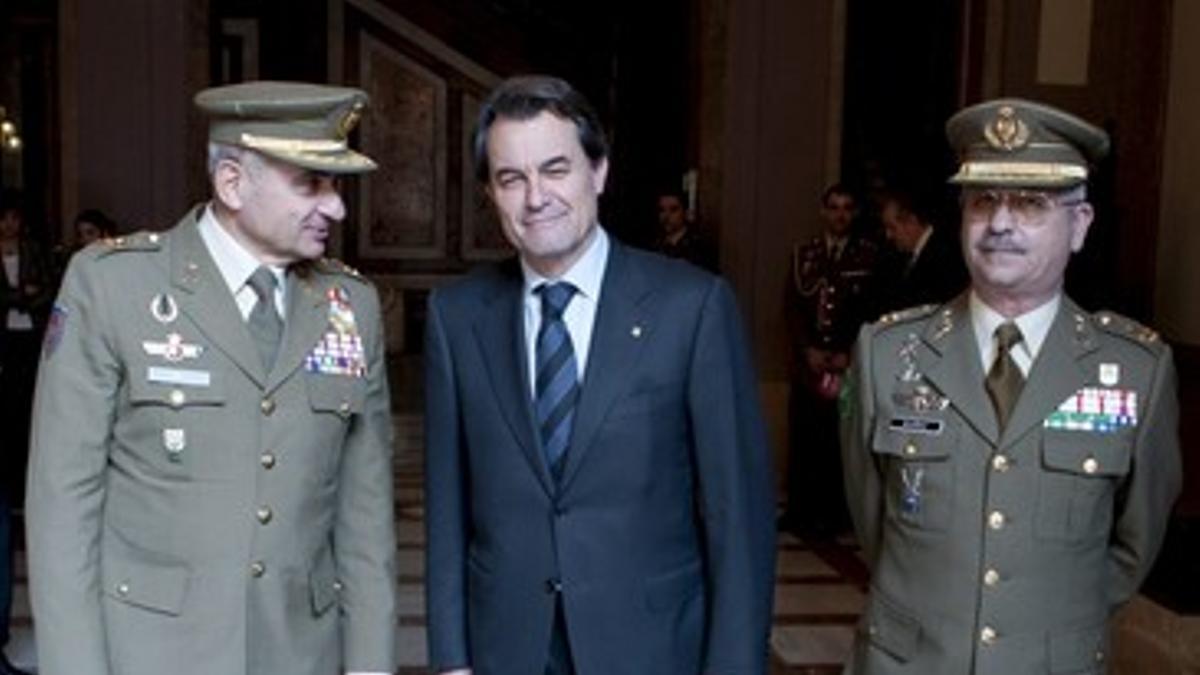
[(210, 487), (1010, 459), (598, 487), (831, 296), (678, 237), (926, 266)]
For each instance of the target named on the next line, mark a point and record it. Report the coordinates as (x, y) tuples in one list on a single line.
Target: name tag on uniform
[(184, 377), (917, 425)]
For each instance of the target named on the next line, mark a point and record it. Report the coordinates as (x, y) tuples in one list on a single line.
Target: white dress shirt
[(586, 275), (236, 264), (1034, 324)]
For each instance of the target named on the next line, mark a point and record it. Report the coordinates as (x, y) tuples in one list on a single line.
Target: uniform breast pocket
[(171, 427), (1080, 473), (339, 395), (916, 454)]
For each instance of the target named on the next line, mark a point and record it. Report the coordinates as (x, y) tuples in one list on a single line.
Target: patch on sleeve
[(55, 328)]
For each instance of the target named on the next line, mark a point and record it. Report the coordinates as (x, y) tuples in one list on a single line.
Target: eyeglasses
[(1026, 206)]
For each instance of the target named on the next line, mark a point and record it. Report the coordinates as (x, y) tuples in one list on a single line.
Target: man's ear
[(1081, 220), (229, 181)]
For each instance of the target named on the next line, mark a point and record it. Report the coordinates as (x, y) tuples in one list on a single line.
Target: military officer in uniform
[(210, 485), (831, 297), (1011, 460)]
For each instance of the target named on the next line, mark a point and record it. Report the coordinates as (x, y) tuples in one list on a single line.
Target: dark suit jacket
[(658, 539), (936, 276)]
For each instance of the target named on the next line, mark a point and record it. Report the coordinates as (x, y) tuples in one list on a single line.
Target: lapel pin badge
[(1110, 374), (163, 308)]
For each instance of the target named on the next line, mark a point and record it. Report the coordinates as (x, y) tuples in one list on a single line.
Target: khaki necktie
[(264, 323), (1004, 380)]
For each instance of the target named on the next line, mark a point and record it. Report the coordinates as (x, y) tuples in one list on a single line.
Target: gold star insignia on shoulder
[(909, 314), (1116, 324)]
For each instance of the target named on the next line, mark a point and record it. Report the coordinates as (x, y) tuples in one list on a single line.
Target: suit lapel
[(954, 367), (206, 299), (1056, 374), (613, 353), (307, 319), (500, 333)]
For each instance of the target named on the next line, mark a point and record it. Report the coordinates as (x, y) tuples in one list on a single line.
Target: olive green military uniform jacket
[(1005, 553), (188, 511)]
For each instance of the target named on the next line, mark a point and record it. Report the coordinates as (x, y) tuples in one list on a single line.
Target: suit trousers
[(6, 566)]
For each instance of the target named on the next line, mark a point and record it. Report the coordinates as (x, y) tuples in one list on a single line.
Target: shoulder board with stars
[(905, 315), (137, 241), (335, 266), (1122, 326)]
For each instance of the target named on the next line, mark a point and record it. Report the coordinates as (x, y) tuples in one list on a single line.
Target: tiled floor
[(818, 595)]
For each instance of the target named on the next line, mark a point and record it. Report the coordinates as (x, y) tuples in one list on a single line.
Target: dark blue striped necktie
[(557, 377)]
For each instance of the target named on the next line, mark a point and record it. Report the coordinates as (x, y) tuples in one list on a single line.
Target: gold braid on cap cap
[(292, 145), (1021, 170)]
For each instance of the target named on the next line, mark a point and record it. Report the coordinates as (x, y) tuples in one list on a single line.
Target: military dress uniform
[(191, 509), (1004, 548), (831, 291)]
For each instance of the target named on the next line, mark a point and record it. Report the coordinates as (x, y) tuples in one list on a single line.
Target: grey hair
[(220, 152)]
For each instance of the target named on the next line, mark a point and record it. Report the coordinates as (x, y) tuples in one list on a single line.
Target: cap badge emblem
[(349, 120), (1007, 131)]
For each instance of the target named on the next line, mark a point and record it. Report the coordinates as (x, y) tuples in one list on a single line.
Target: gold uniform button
[(123, 589), (257, 569), (1090, 465), (267, 460), (177, 398), (153, 238), (344, 408), (991, 577), (996, 520), (987, 635), (1001, 463), (263, 514), (267, 406), (910, 448)]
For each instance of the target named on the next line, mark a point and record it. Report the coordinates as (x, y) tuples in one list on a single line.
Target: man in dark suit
[(599, 498), (927, 265)]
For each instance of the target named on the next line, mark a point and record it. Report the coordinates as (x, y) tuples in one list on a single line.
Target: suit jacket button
[(267, 406), (263, 514), (553, 586), (257, 569), (267, 460)]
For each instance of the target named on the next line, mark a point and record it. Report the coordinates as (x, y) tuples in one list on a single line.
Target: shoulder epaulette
[(335, 266), (906, 315), (136, 241), (1123, 326)]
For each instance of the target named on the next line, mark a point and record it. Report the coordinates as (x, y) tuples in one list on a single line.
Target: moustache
[(998, 245)]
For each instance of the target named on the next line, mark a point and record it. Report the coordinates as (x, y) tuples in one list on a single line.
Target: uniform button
[(996, 520), (177, 398), (263, 514), (337, 586), (1001, 463), (1099, 656), (910, 448), (991, 577), (153, 238), (344, 408), (267, 406), (987, 635), (257, 569), (553, 586), (1090, 465), (267, 460), (123, 589)]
